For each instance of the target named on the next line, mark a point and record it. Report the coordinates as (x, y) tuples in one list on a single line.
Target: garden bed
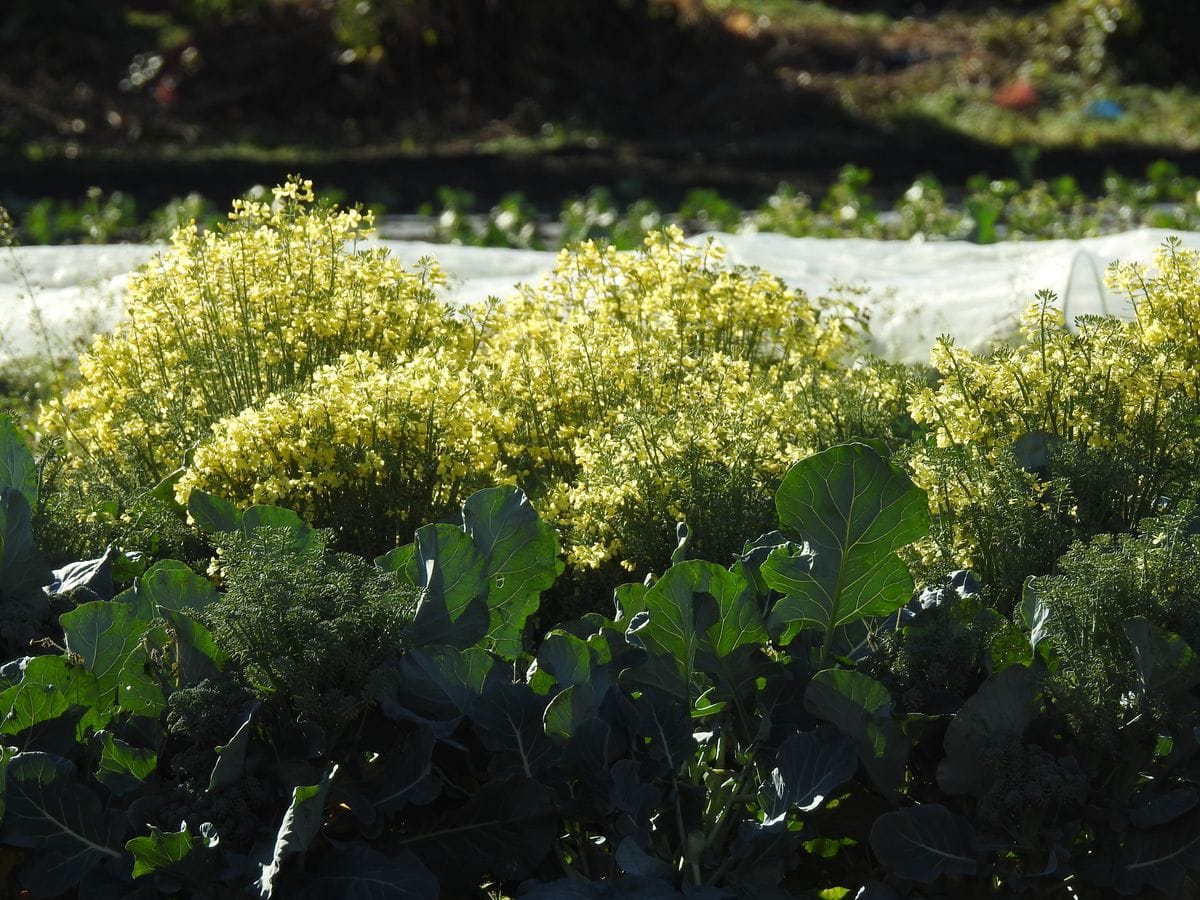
[(643, 580)]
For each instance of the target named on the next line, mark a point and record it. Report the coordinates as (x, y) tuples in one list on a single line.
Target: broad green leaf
[(6, 753), (160, 850), (108, 638), (436, 686), (923, 843), (508, 719), (301, 824), (92, 577), (1035, 612), (212, 514), (21, 570), (854, 509), (122, 768), (995, 715), (50, 687), (358, 872), (17, 467), (1159, 858), (173, 585), (569, 711), (402, 561), (630, 600), (808, 768), (453, 607), (59, 820), (706, 706), (1164, 662), (397, 777), (633, 860), (861, 708), (697, 614), (192, 646), (504, 831), (1151, 808), (666, 727), (565, 657), (231, 758), (520, 554)]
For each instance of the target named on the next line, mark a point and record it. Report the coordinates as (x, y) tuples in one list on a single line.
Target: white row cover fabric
[(53, 299)]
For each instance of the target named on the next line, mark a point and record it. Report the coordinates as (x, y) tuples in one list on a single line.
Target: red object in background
[(1019, 95)]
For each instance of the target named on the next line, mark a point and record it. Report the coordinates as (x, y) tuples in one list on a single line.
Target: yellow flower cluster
[(374, 449), (228, 317), (640, 389), (624, 392), (1127, 388)]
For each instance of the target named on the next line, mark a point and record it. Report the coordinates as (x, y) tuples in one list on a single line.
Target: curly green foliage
[(1103, 584), (307, 626), (1022, 520)]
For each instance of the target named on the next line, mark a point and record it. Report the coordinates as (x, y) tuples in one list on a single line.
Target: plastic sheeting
[(57, 297)]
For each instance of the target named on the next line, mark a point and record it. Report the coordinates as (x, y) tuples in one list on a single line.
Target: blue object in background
[(1106, 110)]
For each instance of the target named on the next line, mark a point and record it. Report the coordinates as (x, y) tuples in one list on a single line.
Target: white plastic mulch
[(913, 291)]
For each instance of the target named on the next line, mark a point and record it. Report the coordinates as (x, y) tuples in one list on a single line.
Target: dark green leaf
[(808, 768), (108, 637), (193, 648), (569, 711), (159, 850), (664, 723), (698, 607), (213, 514), (450, 572), (565, 657), (508, 719), (520, 554), (633, 860), (402, 561), (93, 578), (357, 872), (57, 818), (923, 843), (854, 509), (301, 824), (399, 776), (1152, 808), (50, 687), (122, 768), (20, 566), (1036, 614), (995, 716), (436, 686), (231, 758), (630, 600), (17, 467), (1164, 662), (6, 753), (1159, 858), (170, 584), (504, 831), (861, 708)]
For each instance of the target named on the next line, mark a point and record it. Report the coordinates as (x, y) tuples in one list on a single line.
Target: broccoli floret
[(1029, 787), (932, 664), (201, 717)]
